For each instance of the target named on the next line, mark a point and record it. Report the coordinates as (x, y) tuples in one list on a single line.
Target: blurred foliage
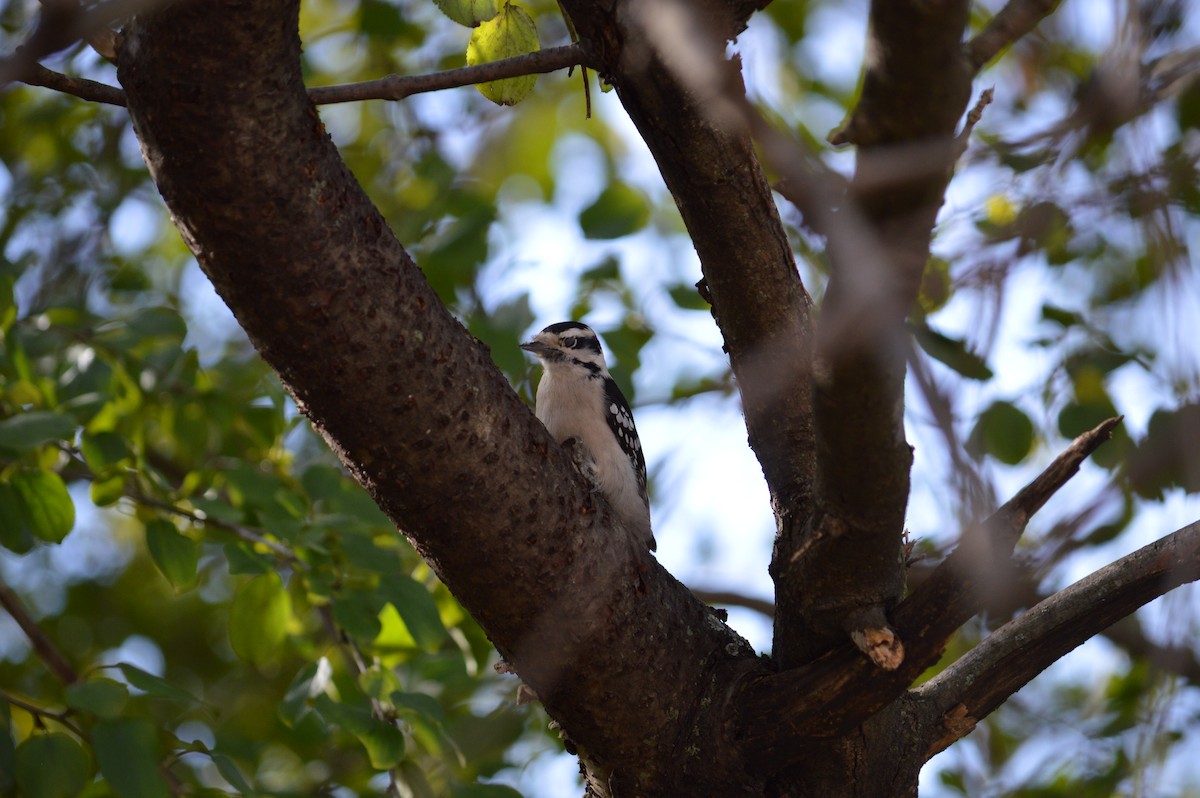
[(245, 620)]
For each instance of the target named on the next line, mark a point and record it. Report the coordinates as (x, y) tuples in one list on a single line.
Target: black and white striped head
[(568, 343)]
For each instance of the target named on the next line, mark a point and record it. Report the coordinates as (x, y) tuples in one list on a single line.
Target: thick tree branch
[(1021, 649), (667, 63), (840, 690), (1014, 21), (621, 654), (841, 571), (397, 87), (42, 645)]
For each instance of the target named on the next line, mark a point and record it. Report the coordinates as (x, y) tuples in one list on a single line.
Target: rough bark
[(663, 698), (620, 653)]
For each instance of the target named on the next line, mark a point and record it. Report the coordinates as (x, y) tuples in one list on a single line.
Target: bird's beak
[(536, 347)]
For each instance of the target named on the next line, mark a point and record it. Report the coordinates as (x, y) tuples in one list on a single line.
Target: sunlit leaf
[(46, 507), (175, 554), (258, 618), (509, 33), (470, 12), (418, 610)]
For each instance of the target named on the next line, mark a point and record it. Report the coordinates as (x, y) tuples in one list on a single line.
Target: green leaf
[(127, 752), (107, 491), (258, 618), (936, 285), (688, 297), (175, 554), (310, 682), (26, 431), (417, 609), (14, 533), (230, 772), (8, 303), (155, 686), (509, 33), (46, 506), (384, 743), (1004, 432), (159, 323), (1065, 318), (357, 613), (50, 766), (484, 791), (469, 12), (104, 698), (103, 449), (620, 210), (242, 560), (952, 352), (8, 757)]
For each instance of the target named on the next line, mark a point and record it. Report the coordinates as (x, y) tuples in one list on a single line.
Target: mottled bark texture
[(661, 696)]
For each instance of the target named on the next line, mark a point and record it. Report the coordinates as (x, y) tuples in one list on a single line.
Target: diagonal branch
[(840, 572), (413, 404), (987, 675), (1014, 21), (841, 689), (43, 646)]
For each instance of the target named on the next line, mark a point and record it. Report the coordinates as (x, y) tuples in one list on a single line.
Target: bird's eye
[(570, 343)]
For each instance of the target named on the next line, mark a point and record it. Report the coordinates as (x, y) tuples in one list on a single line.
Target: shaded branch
[(841, 689), (1011, 657), (58, 716), (397, 87), (1012, 22), (842, 570), (728, 598), (43, 646), (412, 404), (59, 25), (90, 90), (392, 87)]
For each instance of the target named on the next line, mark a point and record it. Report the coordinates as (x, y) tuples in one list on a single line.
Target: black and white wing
[(620, 420)]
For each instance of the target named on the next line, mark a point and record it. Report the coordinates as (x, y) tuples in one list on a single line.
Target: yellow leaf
[(510, 33)]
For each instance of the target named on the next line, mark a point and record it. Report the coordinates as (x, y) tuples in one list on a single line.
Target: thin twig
[(727, 598), (392, 87), (397, 87), (59, 26), (246, 534), (43, 646), (62, 717), (84, 89), (1013, 21)]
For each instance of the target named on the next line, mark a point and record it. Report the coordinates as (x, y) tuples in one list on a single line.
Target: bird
[(581, 405)]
